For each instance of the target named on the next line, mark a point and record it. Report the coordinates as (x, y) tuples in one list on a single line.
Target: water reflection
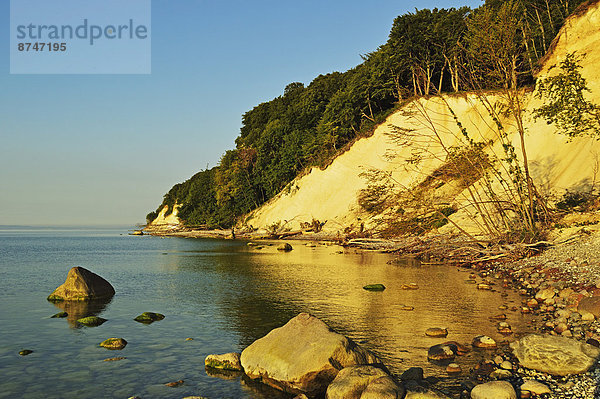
[(79, 309)]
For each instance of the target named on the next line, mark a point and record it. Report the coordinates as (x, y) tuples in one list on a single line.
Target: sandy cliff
[(556, 164)]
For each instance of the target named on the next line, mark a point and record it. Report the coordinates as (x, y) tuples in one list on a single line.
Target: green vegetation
[(496, 46), (374, 287)]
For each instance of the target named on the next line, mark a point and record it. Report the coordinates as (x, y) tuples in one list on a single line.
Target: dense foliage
[(428, 52)]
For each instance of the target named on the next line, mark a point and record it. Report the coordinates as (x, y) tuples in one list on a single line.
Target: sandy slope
[(331, 194)]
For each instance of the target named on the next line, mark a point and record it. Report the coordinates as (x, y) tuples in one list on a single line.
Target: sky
[(104, 149)]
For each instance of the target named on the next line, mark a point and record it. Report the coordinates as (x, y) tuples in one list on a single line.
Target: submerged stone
[(227, 361), (113, 343), (59, 315), (149, 317), (25, 352), (91, 321), (285, 247), (374, 287)]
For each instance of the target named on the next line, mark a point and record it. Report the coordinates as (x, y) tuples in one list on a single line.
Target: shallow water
[(224, 295)]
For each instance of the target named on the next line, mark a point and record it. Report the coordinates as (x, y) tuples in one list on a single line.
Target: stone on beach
[(589, 305), (485, 342), (304, 355), (555, 355), (355, 382), (494, 390), (535, 387), (227, 361), (82, 285)]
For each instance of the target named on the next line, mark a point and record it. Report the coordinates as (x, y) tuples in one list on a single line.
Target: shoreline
[(569, 267)]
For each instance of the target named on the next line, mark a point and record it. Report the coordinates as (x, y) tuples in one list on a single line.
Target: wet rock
[(545, 294), (411, 286), (500, 374), (59, 315), (149, 317), (413, 373), (91, 321), (417, 392), (407, 307), (174, 383), (483, 286), (494, 390), (304, 355), (25, 352), (114, 359), (436, 332), (535, 387), (227, 361), (285, 247), (460, 348), (586, 316), (113, 343), (506, 365), (453, 368), (351, 382), (560, 328), (485, 342), (82, 285), (374, 287), (442, 352), (555, 355)]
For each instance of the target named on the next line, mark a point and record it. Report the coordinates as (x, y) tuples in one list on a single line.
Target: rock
[(500, 374), (485, 342), (374, 287), (411, 286), (113, 343), (149, 317), (82, 285), (407, 307), (59, 315), (352, 382), (413, 373), (91, 321), (555, 355), (436, 332), (586, 316), (228, 361), (460, 348), (301, 396), (284, 247), (532, 303), (544, 294), (25, 352), (383, 388), (114, 359), (442, 352), (494, 390), (453, 368), (535, 387), (303, 356), (561, 327), (590, 305), (423, 393), (483, 286), (506, 365), (174, 383)]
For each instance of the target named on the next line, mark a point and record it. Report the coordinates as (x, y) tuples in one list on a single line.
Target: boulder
[(555, 355), (383, 388), (494, 390), (149, 317), (351, 382), (424, 393), (303, 356), (82, 285), (228, 361), (113, 343), (589, 305), (413, 373), (284, 247)]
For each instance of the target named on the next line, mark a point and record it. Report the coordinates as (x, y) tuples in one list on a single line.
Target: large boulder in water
[(304, 355), (82, 285), (363, 382), (555, 355)]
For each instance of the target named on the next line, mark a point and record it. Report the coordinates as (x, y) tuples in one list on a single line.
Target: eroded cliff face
[(556, 163), (165, 223)]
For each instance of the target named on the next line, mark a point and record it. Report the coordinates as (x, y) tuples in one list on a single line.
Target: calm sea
[(223, 295)]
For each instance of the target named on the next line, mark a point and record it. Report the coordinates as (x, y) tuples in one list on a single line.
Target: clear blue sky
[(103, 149)]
